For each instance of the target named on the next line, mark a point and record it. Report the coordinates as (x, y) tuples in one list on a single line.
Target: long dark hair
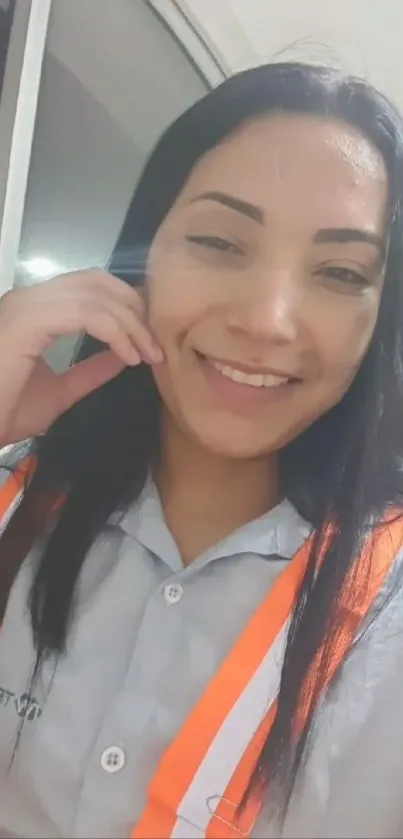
[(345, 467)]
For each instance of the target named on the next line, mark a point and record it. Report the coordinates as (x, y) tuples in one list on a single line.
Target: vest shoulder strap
[(204, 773), (12, 489)]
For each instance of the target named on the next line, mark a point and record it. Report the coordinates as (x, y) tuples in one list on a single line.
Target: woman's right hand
[(32, 395)]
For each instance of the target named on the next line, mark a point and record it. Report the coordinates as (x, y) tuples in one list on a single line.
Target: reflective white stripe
[(222, 758), (185, 830), (9, 512)]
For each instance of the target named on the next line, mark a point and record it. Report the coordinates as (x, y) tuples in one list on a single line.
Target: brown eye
[(345, 275), (215, 243)]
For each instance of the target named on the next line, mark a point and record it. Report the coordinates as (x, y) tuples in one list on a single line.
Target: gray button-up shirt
[(148, 635)]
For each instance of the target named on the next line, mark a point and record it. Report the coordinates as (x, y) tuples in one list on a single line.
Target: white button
[(113, 759), (173, 593)]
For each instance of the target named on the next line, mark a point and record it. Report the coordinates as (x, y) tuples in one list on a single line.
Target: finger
[(88, 375), (139, 333), (96, 284), (129, 305), (118, 289), (110, 328), (139, 330)]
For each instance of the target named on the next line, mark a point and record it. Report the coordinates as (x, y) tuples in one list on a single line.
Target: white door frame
[(17, 123)]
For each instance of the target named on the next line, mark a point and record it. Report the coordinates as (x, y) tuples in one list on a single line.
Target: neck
[(205, 496)]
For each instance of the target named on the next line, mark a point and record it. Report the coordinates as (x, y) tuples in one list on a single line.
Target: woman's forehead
[(298, 165)]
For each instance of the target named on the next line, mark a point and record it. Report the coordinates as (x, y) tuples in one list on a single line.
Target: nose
[(266, 308)]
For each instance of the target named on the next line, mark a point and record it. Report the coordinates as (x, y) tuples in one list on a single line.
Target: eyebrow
[(341, 235), (233, 203), (344, 235)]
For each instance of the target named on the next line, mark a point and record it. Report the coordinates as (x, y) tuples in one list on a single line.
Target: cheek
[(344, 342), (177, 298)]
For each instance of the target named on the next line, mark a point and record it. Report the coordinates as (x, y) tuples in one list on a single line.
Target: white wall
[(363, 37)]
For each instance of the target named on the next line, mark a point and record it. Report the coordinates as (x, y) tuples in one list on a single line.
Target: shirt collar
[(280, 532)]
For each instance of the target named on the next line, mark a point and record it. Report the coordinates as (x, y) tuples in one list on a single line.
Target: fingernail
[(157, 354), (135, 358)]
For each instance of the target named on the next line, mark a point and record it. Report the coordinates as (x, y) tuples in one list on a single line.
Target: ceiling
[(363, 37)]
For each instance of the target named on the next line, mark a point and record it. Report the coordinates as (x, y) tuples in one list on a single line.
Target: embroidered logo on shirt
[(27, 707)]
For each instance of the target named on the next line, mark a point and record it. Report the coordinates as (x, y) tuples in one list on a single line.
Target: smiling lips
[(257, 380)]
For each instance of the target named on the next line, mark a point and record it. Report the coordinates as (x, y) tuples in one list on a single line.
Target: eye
[(215, 243), (345, 275)]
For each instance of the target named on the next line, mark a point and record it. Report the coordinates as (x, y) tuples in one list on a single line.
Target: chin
[(223, 442)]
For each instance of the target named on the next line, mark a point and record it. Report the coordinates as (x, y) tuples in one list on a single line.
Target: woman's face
[(264, 282)]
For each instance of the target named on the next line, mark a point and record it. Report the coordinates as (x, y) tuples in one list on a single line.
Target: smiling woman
[(209, 531), (245, 278)]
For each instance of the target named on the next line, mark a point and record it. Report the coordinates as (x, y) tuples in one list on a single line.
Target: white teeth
[(252, 379)]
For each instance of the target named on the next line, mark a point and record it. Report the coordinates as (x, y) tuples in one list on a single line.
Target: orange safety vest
[(203, 774)]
